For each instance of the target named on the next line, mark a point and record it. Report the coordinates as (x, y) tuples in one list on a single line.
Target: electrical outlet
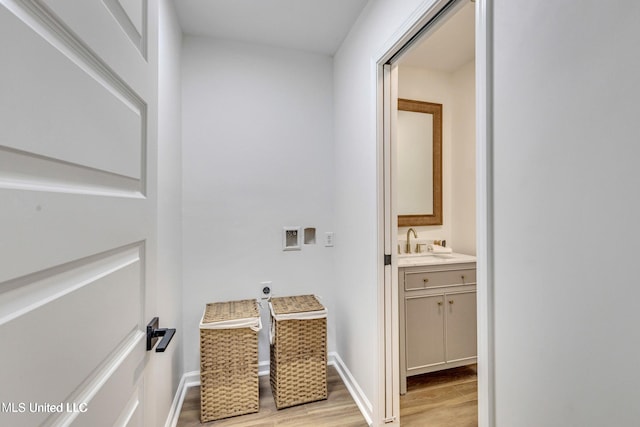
[(265, 289)]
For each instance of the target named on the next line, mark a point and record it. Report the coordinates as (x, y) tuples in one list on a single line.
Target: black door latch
[(153, 332)]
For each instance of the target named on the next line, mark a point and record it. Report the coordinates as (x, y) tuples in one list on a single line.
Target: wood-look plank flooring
[(441, 399), (339, 410)]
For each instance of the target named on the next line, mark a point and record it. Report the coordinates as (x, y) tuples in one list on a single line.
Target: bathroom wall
[(257, 156), (422, 84), (456, 92), (463, 160)]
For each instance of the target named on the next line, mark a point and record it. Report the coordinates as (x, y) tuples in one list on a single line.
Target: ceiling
[(312, 25), (449, 47)]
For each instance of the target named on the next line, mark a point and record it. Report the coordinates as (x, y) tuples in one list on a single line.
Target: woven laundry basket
[(298, 369), (229, 359)]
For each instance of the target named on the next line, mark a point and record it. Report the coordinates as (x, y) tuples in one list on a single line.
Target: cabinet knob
[(425, 280), (450, 301), (439, 302), (462, 277)]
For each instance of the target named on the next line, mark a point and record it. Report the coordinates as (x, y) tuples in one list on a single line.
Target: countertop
[(414, 260)]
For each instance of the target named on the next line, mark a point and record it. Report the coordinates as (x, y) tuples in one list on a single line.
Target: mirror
[(419, 151)]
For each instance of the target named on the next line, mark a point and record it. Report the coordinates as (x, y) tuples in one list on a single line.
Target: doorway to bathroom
[(440, 60)]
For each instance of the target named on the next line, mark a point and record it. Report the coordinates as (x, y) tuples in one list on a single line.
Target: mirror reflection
[(419, 163)]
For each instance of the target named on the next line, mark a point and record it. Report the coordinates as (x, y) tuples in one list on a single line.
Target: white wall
[(463, 160), (422, 84), (168, 367), (566, 213), (257, 156), (356, 179), (455, 90)]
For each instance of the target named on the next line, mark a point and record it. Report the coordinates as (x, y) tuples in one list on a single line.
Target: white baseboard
[(263, 368), (192, 379), (354, 388), (189, 379)]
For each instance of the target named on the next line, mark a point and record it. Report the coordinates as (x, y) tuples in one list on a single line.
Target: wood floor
[(440, 399), (339, 410)]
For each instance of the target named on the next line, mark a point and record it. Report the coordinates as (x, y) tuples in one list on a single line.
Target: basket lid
[(295, 304), (231, 314)]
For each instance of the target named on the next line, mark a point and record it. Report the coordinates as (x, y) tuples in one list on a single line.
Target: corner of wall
[(169, 211)]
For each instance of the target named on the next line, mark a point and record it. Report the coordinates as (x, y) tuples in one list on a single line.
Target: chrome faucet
[(409, 239)]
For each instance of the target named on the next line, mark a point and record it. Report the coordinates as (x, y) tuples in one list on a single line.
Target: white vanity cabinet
[(437, 318)]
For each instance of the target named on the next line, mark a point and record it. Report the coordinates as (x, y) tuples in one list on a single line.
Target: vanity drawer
[(431, 279)]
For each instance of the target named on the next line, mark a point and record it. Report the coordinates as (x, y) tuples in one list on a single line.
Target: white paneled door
[(77, 210)]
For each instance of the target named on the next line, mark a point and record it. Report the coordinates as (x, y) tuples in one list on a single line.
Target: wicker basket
[(298, 369), (229, 359)]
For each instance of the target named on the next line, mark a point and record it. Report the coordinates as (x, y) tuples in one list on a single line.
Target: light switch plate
[(328, 238)]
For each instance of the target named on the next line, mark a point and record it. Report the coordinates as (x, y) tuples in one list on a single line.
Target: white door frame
[(388, 408)]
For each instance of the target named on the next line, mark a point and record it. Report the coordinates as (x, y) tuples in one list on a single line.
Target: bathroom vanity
[(437, 313)]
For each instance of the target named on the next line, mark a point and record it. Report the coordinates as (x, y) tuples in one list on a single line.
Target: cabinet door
[(461, 326), (424, 331)]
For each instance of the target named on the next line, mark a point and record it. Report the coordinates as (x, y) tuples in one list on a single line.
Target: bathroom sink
[(428, 258), (415, 255)]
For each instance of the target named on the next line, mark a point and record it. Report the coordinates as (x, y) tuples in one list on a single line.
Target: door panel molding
[(25, 294), (110, 96), (125, 358), (22, 170), (131, 414), (107, 295), (134, 27)]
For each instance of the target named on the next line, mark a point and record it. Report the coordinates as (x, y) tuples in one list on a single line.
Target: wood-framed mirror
[(419, 151)]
